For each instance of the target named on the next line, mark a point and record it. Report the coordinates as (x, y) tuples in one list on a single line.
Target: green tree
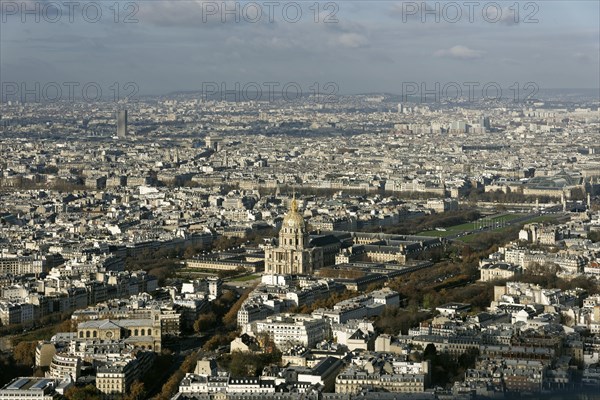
[(430, 352)]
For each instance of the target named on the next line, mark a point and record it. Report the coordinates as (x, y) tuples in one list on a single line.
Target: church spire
[(294, 206)]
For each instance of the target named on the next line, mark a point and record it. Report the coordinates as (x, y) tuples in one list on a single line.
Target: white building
[(288, 330), (30, 388), (223, 383)]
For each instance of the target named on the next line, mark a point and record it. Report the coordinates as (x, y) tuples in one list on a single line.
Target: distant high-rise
[(485, 122), (122, 124)]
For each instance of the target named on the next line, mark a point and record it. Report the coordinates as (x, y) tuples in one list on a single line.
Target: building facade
[(293, 255), (144, 334)]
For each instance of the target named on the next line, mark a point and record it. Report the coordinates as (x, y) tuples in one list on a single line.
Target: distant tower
[(563, 200), (589, 201), (122, 124), (485, 122), (400, 108)]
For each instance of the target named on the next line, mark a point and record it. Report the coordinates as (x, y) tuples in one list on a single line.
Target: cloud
[(459, 53), (353, 40), (509, 17)]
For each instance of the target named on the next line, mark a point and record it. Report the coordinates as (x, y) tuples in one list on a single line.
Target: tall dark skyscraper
[(122, 124), (485, 122)]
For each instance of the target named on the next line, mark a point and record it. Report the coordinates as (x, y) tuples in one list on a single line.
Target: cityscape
[(304, 224)]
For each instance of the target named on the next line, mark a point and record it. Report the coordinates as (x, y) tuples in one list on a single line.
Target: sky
[(360, 46)]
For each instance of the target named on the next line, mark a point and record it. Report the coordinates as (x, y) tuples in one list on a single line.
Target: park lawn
[(36, 334), (473, 236), (435, 233), (543, 218), (508, 217), (453, 230)]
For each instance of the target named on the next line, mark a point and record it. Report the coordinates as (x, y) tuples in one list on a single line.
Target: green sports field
[(469, 226)]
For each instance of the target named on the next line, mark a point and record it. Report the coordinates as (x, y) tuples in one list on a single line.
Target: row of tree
[(172, 384), (137, 391)]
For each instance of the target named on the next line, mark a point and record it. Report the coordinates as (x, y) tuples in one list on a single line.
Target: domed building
[(293, 256)]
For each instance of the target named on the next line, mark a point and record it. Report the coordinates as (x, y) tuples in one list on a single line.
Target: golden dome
[(293, 219)]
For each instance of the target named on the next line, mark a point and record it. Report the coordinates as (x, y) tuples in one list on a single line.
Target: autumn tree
[(24, 353), (542, 269), (66, 326), (219, 339), (89, 392), (172, 385), (242, 364), (396, 320), (224, 243), (205, 322), (230, 318), (137, 391)]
